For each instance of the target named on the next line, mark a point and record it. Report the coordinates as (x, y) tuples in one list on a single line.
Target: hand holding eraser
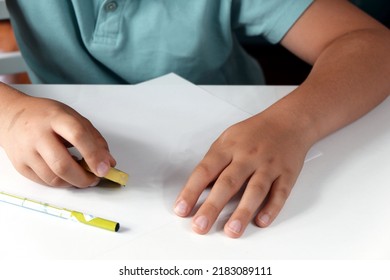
[(114, 175)]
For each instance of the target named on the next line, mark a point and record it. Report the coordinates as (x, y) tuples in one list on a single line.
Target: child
[(131, 41)]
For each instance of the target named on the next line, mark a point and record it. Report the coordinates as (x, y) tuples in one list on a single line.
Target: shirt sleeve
[(270, 18)]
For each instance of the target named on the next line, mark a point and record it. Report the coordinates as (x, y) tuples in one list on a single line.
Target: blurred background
[(280, 66)]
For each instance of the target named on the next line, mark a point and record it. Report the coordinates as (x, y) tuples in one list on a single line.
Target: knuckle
[(261, 189), (21, 167), (252, 151), (102, 142), (229, 182), (282, 192), (54, 109), (56, 182), (91, 156), (86, 121), (204, 170), (244, 212), (60, 167), (270, 160), (288, 171), (211, 208), (263, 178), (77, 133), (226, 140)]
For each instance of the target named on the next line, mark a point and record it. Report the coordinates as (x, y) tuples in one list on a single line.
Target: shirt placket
[(107, 28)]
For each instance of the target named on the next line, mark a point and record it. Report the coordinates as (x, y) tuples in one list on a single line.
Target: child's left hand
[(263, 154)]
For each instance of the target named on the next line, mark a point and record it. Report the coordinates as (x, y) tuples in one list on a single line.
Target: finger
[(29, 173), (255, 192), (62, 164), (278, 195), (45, 174), (227, 185), (204, 173), (112, 160), (87, 140)]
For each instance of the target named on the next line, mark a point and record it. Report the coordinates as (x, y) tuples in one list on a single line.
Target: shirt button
[(111, 6)]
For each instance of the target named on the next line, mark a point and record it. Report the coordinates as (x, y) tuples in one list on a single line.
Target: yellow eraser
[(117, 176), (114, 175)]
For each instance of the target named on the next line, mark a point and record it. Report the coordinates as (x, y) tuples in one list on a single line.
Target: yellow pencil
[(59, 212)]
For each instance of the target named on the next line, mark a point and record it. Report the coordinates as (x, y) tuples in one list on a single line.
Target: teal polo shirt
[(130, 41)]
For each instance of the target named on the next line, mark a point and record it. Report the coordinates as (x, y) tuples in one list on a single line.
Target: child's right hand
[(35, 133)]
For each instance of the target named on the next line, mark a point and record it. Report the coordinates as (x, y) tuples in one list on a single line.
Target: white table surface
[(338, 209)]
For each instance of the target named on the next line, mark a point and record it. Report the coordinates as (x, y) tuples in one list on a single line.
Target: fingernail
[(102, 169), (235, 226), (94, 184), (181, 208), (264, 219), (201, 222)]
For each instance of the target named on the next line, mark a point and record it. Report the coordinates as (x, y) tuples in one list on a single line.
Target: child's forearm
[(349, 78), (8, 97)]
